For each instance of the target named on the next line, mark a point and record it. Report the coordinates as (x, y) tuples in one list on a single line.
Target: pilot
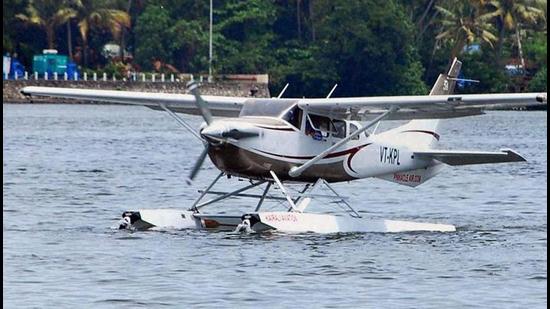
[(310, 131)]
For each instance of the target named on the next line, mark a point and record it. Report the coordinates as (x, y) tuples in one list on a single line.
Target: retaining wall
[(223, 88)]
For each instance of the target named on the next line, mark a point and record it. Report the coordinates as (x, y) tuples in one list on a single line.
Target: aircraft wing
[(418, 107), (452, 157), (182, 103)]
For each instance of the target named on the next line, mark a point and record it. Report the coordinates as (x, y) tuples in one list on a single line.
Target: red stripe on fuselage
[(435, 135), (352, 151), (277, 128)]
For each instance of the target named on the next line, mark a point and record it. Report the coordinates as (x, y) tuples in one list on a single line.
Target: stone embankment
[(11, 88)]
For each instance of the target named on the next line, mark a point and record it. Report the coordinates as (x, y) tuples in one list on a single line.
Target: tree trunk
[(500, 46), (299, 18), (520, 50), (85, 52), (423, 24), (311, 20), (459, 46), (50, 33), (69, 40), (430, 63), (420, 23), (122, 45)]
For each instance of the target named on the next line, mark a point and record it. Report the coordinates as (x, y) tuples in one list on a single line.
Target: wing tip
[(542, 98), (514, 156), (25, 91)]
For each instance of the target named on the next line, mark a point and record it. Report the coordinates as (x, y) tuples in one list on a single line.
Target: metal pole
[(263, 197), (196, 207), (193, 207), (210, 47)]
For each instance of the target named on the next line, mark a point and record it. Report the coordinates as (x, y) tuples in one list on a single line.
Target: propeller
[(214, 131), (198, 164), (193, 88)]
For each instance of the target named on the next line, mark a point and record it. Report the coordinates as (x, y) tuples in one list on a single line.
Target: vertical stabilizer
[(444, 85)]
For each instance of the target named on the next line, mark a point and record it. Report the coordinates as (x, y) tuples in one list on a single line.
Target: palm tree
[(47, 14), (512, 13), (102, 15), (463, 23)]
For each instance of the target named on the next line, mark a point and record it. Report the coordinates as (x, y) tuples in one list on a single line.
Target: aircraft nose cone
[(219, 131), (214, 130)]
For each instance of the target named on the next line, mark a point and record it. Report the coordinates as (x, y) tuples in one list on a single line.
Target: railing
[(131, 76)]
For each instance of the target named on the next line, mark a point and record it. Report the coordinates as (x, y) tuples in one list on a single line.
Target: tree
[(511, 14), (463, 23), (47, 14), (154, 37), (247, 38), (370, 44), (539, 81), (189, 45), (100, 14), (9, 30)]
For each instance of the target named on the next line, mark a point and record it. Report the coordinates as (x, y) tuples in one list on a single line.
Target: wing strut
[(297, 171), (181, 121), (284, 191)]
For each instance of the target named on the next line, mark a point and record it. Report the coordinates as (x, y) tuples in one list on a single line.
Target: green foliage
[(536, 49), (539, 81), (154, 37), (353, 42), (117, 69), (491, 78), (189, 40), (246, 37), (368, 47)]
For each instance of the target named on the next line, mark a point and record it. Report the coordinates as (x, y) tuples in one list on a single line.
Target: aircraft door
[(319, 127)]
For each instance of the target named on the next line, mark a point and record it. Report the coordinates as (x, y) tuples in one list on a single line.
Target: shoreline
[(12, 95)]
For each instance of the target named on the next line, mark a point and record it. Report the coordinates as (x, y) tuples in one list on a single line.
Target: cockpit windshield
[(265, 107), (294, 117)]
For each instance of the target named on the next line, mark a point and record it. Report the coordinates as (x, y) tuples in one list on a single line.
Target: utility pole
[(210, 47)]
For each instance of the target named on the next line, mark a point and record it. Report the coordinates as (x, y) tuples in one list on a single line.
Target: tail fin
[(445, 84)]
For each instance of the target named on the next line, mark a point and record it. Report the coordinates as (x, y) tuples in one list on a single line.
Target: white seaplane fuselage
[(279, 146)]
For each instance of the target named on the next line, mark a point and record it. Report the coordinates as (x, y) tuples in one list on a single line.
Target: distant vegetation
[(368, 47)]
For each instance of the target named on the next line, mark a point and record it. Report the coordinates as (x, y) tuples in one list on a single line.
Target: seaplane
[(308, 144)]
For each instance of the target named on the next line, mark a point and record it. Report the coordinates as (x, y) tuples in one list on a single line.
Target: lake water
[(69, 171)]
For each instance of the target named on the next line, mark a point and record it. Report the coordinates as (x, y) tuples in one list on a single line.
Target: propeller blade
[(193, 88), (198, 164)]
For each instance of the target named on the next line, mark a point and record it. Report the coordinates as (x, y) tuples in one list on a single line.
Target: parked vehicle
[(50, 62)]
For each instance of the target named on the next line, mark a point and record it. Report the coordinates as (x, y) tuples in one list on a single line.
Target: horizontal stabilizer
[(452, 157)]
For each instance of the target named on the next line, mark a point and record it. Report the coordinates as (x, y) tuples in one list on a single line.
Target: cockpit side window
[(339, 128), (324, 126), (321, 124), (353, 128), (294, 117)]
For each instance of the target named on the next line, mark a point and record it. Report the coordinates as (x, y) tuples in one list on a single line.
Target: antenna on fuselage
[(282, 91), (332, 90)]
